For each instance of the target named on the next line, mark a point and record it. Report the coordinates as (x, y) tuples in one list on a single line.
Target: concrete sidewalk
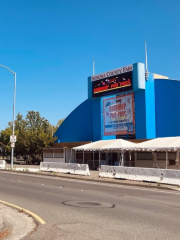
[(95, 177), (14, 225)]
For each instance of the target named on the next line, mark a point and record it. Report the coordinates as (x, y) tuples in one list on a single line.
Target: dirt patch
[(17, 224), (4, 234)]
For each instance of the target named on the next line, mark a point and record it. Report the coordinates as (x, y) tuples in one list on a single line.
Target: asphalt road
[(86, 210)]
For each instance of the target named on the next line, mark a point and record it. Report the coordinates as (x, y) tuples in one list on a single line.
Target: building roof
[(159, 144), (158, 76), (109, 145), (57, 146)]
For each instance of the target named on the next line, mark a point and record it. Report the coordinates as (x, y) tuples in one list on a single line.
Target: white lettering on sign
[(112, 73)]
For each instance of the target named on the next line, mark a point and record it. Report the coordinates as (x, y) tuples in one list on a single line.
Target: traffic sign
[(12, 139), (12, 144)]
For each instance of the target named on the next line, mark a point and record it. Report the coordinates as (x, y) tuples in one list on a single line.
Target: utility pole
[(146, 65), (93, 67), (12, 148)]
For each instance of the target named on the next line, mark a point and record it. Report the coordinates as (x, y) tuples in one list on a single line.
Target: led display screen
[(112, 85)]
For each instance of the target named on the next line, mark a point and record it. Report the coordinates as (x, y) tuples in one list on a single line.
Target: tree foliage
[(33, 133), (55, 128), (59, 122)]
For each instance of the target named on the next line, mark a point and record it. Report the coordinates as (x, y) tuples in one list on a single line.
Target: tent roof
[(159, 144), (116, 144)]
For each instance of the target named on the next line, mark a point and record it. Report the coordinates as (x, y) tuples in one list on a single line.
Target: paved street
[(90, 210)]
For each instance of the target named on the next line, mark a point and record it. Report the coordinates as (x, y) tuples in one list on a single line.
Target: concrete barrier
[(27, 169), (2, 164), (167, 176), (73, 168)]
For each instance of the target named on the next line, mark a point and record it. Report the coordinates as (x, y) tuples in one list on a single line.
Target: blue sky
[(51, 44)]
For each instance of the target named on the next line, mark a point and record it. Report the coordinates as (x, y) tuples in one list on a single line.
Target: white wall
[(50, 157), (60, 160), (67, 154)]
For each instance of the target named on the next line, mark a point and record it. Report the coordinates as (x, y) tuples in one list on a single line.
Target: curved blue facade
[(78, 126)]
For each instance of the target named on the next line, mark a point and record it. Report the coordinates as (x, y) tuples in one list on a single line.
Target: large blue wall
[(167, 97), (78, 126), (150, 108), (96, 119), (140, 114)]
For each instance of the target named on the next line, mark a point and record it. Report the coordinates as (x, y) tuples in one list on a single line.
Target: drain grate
[(87, 204)]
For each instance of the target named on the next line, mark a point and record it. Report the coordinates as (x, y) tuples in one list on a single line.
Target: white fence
[(2, 164), (167, 176), (73, 168)]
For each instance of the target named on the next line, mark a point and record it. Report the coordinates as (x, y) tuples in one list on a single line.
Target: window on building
[(79, 155), (162, 156), (144, 156), (48, 155), (172, 162), (59, 153)]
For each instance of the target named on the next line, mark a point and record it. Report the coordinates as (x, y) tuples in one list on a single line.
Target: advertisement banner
[(118, 115)]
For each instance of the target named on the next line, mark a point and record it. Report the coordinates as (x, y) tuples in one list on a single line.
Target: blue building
[(122, 104)]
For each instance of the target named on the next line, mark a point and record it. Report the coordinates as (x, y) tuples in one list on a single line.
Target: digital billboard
[(118, 115), (112, 82)]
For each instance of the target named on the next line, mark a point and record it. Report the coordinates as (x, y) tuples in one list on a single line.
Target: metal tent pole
[(122, 154), (166, 159), (130, 158), (99, 159), (119, 158)]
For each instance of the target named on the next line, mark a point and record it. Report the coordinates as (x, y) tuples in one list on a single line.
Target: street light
[(12, 149)]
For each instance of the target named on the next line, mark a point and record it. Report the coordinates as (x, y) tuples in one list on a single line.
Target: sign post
[(12, 140)]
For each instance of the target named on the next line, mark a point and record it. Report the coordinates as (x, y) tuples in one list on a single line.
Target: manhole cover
[(88, 204)]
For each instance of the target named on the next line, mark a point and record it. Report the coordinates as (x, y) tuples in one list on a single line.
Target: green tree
[(5, 138), (55, 128), (59, 122), (33, 133)]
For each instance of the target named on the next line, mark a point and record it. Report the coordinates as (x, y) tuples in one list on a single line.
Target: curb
[(33, 215), (98, 181)]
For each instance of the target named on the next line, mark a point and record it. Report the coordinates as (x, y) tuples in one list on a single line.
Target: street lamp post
[(12, 149)]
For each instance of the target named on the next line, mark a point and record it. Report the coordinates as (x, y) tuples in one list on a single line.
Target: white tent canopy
[(109, 145), (159, 144)]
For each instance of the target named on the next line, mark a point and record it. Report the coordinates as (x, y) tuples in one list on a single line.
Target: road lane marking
[(39, 219)]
